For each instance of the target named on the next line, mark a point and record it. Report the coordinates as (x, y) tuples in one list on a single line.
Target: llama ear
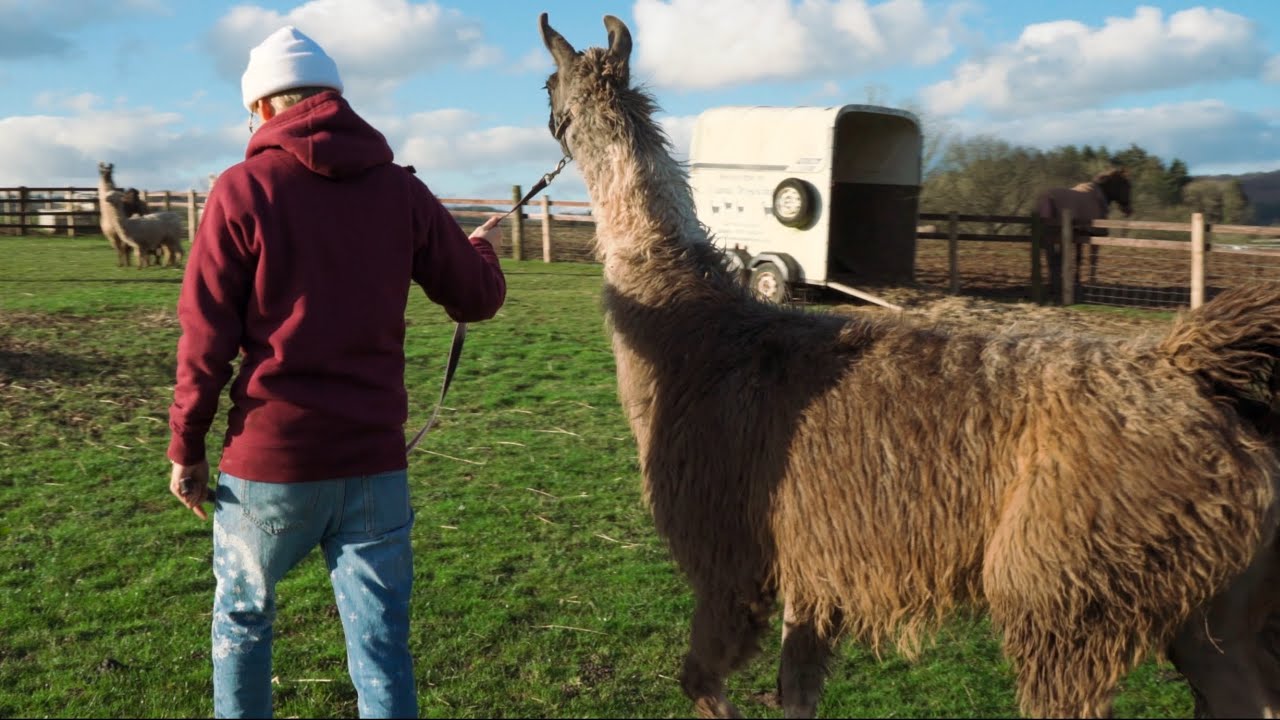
[(619, 39), (561, 51)]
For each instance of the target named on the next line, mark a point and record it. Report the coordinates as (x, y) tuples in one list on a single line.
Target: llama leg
[(803, 669), (1222, 651), (1063, 675), (725, 634)]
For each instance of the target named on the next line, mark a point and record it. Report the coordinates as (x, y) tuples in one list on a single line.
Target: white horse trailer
[(819, 196)]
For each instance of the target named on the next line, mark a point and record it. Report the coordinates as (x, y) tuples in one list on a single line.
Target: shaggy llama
[(146, 234), (1102, 500)]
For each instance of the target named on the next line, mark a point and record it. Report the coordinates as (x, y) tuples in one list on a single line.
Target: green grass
[(541, 589)]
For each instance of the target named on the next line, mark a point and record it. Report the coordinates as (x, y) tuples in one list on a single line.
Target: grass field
[(541, 589)]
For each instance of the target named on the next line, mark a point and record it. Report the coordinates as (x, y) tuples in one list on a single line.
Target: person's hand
[(190, 484), (491, 231)]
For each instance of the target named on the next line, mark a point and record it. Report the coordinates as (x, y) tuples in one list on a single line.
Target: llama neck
[(110, 216), (645, 219)]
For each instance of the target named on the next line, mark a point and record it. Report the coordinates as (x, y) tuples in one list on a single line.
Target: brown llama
[(1103, 500)]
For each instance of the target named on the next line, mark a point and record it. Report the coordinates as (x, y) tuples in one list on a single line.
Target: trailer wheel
[(768, 283), (793, 202), (735, 261)]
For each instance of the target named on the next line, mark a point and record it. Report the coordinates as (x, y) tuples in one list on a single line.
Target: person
[(302, 265)]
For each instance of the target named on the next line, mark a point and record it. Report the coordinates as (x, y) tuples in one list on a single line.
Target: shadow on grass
[(60, 367), (46, 365)]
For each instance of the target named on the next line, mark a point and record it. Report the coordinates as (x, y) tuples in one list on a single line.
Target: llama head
[(574, 70), (115, 199), (104, 171)]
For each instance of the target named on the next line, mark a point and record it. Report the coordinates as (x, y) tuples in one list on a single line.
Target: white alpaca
[(145, 233)]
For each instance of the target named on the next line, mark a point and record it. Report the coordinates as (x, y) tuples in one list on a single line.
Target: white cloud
[(1066, 64), (1208, 135), (377, 43), (700, 44), (150, 149)]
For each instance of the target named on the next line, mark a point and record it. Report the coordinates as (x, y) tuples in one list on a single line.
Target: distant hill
[(1263, 191)]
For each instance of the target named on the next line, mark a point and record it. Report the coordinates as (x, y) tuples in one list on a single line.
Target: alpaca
[(106, 184), (135, 204), (1102, 500), (145, 234)]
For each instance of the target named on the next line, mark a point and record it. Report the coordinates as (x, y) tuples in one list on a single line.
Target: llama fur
[(1100, 499), (147, 233)]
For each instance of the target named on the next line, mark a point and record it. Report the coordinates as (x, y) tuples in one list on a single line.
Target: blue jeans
[(261, 531)]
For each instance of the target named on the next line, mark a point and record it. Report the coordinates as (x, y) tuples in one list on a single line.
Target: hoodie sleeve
[(211, 307), (457, 272)]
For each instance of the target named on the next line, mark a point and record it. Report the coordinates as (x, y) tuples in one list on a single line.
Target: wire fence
[(1171, 265)]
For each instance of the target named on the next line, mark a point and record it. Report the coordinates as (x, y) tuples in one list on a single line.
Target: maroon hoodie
[(302, 264)]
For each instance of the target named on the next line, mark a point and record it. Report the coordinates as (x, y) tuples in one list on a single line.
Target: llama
[(145, 234), (106, 185), (134, 205), (1102, 500)]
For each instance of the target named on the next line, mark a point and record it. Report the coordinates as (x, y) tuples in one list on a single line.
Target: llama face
[(615, 62), (104, 172), (565, 57)]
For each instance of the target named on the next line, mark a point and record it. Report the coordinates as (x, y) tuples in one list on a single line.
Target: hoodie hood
[(326, 136)]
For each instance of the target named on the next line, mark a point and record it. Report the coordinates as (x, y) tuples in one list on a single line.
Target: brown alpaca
[(1103, 500)]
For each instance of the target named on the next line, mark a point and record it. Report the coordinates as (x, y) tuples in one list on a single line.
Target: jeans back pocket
[(277, 508)]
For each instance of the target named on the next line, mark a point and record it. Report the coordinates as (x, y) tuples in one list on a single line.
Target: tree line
[(984, 175)]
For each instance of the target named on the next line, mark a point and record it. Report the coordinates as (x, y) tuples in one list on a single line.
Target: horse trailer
[(816, 196)]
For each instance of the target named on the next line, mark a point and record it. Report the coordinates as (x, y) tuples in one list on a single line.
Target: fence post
[(546, 229), (192, 220), (22, 210), (71, 209), (1198, 241), (1037, 240), (1068, 258), (517, 225), (953, 252)]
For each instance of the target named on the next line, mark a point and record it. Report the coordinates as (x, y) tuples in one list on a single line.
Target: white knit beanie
[(287, 59)]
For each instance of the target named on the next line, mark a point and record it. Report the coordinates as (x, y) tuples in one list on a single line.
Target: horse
[(1087, 201)]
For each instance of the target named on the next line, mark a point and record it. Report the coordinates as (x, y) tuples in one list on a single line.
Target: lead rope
[(460, 332)]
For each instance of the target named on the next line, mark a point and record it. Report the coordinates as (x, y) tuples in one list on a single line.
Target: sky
[(153, 86)]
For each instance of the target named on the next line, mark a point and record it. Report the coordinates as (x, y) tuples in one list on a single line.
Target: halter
[(460, 331)]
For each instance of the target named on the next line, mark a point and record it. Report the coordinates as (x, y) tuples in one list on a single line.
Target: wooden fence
[(74, 211), (1196, 252), (564, 230)]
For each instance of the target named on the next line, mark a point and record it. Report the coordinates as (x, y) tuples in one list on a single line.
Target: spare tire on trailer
[(769, 282), (794, 202)]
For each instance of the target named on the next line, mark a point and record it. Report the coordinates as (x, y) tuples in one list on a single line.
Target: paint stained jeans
[(261, 531)]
